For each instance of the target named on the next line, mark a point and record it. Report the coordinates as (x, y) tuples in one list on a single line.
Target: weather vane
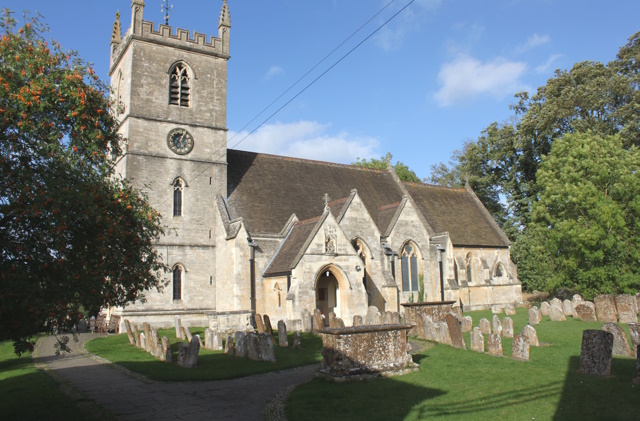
[(166, 9)]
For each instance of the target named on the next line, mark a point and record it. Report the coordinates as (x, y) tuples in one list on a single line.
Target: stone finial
[(116, 34), (387, 159), (225, 16), (326, 200)]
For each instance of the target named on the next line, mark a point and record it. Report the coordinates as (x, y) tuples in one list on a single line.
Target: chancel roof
[(459, 212), (266, 189)]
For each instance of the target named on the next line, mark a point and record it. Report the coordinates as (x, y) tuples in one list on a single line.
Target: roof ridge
[(314, 161), (435, 186)]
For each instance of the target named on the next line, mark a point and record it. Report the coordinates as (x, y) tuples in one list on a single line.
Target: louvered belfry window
[(179, 86), (177, 198)]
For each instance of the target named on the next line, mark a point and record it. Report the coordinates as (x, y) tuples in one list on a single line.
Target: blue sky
[(428, 81)]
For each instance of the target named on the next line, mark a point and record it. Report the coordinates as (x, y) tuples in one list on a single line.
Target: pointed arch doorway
[(328, 293)]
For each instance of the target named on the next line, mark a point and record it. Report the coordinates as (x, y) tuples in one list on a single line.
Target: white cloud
[(466, 77), (547, 66), (307, 139), (392, 34), (534, 40), (273, 70)]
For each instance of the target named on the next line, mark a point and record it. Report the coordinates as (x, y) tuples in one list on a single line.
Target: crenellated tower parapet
[(166, 35)]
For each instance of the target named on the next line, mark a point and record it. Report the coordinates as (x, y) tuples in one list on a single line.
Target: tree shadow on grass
[(596, 398)]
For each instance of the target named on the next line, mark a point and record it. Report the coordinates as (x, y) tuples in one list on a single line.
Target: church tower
[(171, 93)]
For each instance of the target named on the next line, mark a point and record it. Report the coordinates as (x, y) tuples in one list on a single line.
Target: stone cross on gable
[(326, 201)]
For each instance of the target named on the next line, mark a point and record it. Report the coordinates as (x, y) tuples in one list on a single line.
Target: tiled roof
[(385, 216), (266, 189), (458, 212), (283, 261)]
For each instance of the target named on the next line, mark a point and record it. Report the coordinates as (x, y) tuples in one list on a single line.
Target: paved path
[(136, 398)]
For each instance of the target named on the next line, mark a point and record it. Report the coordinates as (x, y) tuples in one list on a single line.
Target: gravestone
[(535, 316), (626, 308), (443, 332), (520, 348), (531, 334), (265, 342), (267, 325), (455, 333), (82, 327), (576, 300), (282, 334), (457, 311), (92, 324), (318, 323), (467, 324), (387, 318), (620, 342), (595, 352), (332, 320), (127, 325), (357, 320), (420, 327), (567, 308), (430, 329), (229, 347), (556, 303), (476, 340), (496, 325), (211, 339), (339, 322), (297, 341), (509, 310), (556, 314), (373, 316), (507, 327), (178, 327), (485, 326), (241, 344), (136, 336), (186, 334), (395, 318), (307, 321), (634, 333), (544, 308), (143, 342), (253, 346), (496, 309), (591, 305), (585, 313), (156, 348), (259, 323), (147, 335), (188, 354), (495, 344), (166, 350), (606, 308)]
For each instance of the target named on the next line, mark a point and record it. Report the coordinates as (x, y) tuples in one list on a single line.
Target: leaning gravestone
[(457, 311), (443, 333), (297, 341), (318, 323), (265, 342), (127, 325), (147, 335), (373, 316), (634, 333), (332, 320), (544, 308), (496, 309), (282, 334), (188, 354), (606, 308), (620, 342), (476, 340), (153, 343), (496, 325), (467, 323), (241, 344), (339, 322), (557, 304), (253, 347), (595, 352), (531, 334), (430, 330), (357, 320), (267, 325), (259, 323), (136, 335), (567, 308), (166, 350), (507, 327), (387, 318), (395, 318), (229, 347), (586, 313), (454, 331), (556, 314), (534, 316), (186, 333), (495, 344), (510, 310), (143, 342), (485, 326), (626, 308), (520, 348), (178, 327)]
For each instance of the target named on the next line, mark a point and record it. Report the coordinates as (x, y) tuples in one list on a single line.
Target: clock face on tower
[(180, 141)]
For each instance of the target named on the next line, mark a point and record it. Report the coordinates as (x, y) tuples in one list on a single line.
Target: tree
[(588, 213), (72, 233), (402, 170)]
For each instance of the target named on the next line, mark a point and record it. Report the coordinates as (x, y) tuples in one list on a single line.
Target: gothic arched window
[(177, 198), (469, 267), (409, 262), (179, 85), (177, 283), (499, 270)]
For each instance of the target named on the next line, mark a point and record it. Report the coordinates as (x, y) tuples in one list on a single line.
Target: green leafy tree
[(402, 170), (72, 233), (587, 217)]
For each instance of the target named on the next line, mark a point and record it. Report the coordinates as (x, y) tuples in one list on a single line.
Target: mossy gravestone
[(595, 353)]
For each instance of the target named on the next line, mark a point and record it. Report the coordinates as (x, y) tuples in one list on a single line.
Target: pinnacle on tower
[(225, 16), (116, 35)]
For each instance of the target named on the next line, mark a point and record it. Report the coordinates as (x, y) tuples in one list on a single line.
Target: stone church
[(254, 233)]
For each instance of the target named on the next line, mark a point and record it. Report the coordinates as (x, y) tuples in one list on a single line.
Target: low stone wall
[(436, 310), (356, 353)]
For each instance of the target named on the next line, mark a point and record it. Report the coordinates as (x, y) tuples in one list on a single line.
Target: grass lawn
[(212, 365), (465, 385), (30, 394)]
